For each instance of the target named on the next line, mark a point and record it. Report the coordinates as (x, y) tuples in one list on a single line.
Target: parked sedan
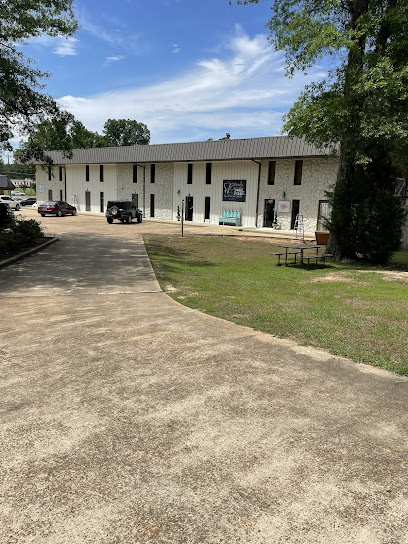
[(58, 208), (14, 204), (17, 193), (29, 201)]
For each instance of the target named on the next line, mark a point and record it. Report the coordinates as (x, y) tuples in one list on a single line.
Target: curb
[(27, 253)]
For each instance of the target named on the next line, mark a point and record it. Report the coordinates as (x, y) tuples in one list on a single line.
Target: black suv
[(124, 210)]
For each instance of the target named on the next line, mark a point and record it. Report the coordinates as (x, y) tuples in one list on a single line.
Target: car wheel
[(17, 207), (59, 213), (42, 214), (109, 220), (130, 218), (74, 212), (139, 219)]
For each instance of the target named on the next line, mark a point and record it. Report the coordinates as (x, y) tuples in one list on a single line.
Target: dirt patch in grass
[(336, 277), (399, 277)]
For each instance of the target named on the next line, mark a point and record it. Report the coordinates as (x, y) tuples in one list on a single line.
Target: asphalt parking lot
[(127, 418)]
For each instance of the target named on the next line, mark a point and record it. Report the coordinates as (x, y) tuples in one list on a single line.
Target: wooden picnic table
[(299, 249)]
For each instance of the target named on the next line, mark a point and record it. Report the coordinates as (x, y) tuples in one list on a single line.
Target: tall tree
[(22, 104), (62, 134), (362, 105), (118, 132)]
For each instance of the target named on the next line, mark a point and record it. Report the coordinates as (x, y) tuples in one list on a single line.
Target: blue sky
[(191, 70)]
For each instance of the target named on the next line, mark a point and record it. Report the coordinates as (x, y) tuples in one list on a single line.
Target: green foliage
[(118, 132), (360, 108), (366, 211), (63, 134), (22, 105), (66, 133), (19, 235)]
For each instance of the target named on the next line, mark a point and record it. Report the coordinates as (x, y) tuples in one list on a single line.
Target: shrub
[(28, 229)]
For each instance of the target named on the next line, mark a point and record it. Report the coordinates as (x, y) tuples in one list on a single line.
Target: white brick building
[(278, 178)]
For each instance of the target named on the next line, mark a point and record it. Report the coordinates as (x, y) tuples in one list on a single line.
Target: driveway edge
[(12, 260)]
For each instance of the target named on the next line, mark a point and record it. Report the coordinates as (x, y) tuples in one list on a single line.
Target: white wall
[(76, 185), (199, 189), (319, 174)]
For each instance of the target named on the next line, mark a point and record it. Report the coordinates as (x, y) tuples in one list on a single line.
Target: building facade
[(269, 181)]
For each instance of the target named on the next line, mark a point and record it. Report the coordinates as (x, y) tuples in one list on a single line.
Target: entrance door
[(88, 201), (295, 211), (207, 208), (189, 208), (324, 214), (269, 212)]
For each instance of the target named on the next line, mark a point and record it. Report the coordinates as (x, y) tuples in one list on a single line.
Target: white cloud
[(176, 48), (109, 60), (66, 47), (59, 45), (242, 88)]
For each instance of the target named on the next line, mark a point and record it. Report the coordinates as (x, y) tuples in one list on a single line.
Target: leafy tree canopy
[(362, 105), (22, 104), (366, 95), (118, 132), (66, 133)]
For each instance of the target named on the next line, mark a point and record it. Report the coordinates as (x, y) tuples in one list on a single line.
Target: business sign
[(234, 190), (284, 206)]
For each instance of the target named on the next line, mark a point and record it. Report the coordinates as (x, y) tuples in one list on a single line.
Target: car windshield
[(116, 203)]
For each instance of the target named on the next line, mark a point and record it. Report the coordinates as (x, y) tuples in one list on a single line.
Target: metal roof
[(214, 150)]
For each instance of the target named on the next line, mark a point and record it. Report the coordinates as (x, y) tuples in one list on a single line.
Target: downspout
[(65, 182), (257, 192)]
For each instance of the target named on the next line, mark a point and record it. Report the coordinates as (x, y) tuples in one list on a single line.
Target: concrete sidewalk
[(128, 418)]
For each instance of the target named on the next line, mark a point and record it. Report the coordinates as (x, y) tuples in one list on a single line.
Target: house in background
[(269, 181)]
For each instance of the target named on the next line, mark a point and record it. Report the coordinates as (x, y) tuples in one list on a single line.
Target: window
[(189, 174), (60, 173), (61, 197), (135, 173), (152, 173), (207, 208), (101, 172), (101, 201), (151, 205), (271, 172), (49, 194), (87, 201), (298, 173), (208, 168), (135, 199), (49, 173), (87, 172)]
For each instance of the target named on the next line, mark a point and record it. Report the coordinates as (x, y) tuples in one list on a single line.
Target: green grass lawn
[(360, 312)]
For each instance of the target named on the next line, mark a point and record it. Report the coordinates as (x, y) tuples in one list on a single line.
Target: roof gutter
[(257, 192)]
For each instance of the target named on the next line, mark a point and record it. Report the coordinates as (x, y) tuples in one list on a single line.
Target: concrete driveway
[(127, 418)]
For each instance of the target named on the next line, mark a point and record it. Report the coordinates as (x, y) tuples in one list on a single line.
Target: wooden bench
[(230, 217)]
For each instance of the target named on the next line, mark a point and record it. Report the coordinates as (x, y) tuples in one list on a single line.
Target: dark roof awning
[(5, 183)]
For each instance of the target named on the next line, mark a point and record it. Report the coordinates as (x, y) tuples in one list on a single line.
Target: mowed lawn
[(359, 312)]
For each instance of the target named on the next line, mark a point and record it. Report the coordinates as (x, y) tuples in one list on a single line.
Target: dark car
[(124, 210), (6, 215), (58, 208), (29, 201)]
